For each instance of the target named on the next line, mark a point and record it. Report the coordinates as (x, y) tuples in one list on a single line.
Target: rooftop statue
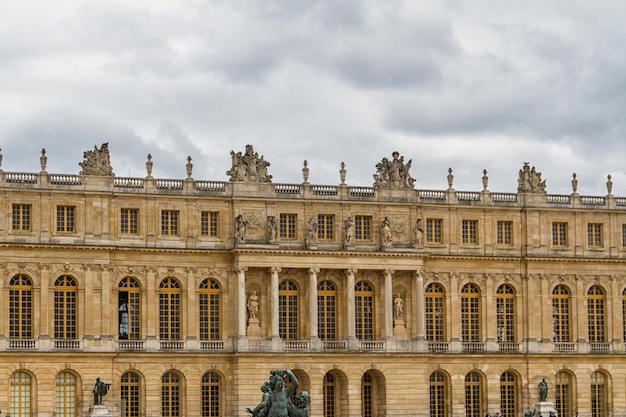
[(248, 167), (394, 173), (529, 180), (97, 162)]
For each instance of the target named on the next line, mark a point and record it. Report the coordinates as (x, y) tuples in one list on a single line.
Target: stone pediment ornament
[(394, 173), (248, 167), (97, 162), (529, 180)]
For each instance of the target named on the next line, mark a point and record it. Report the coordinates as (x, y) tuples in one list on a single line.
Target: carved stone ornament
[(529, 180), (97, 162), (248, 167), (394, 173)]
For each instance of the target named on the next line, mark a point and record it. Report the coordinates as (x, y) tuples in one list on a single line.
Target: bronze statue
[(276, 400), (543, 390), (100, 389)]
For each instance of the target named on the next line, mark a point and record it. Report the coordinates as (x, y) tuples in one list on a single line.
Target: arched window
[(20, 307), (327, 310), (596, 314), (169, 309), (65, 308), (470, 313), (563, 394), (435, 313), (130, 395), (560, 314), (171, 395), (129, 309), (368, 395), (364, 310), (65, 401), (288, 310), (211, 395), (505, 314), (209, 300), (21, 394), (508, 394), (330, 395), (473, 395), (599, 394), (438, 389)]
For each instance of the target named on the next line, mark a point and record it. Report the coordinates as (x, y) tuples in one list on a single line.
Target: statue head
[(266, 387)]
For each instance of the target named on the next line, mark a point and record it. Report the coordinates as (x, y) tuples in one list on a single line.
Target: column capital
[(240, 269), (275, 269), (351, 271), (418, 274), (314, 271), (389, 271)]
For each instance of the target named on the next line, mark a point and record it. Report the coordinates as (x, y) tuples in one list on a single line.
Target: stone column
[(580, 331), (151, 304), (454, 318), (105, 289), (241, 301), (419, 303), (313, 302), (45, 319), (615, 316), (490, 307), (89, 313), (545, 310), (191, 331), (274, 301), (388, 304), (350, 302)]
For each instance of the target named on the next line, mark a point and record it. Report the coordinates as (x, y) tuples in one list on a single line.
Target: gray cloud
[(483, 87)]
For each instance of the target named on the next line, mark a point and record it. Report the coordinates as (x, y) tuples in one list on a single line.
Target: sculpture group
[(276, 399)]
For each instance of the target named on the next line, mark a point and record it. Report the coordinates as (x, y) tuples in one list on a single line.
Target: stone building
[(383, 301)]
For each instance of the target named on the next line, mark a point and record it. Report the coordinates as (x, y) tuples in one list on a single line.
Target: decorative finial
[(342, 174), (485, 180), (305, 172), (609, 184), (43, 160), (574, 184), (189, 167), (149, 166), (450, 179)]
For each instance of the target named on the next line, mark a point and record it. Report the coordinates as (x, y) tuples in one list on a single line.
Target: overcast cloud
[(469, 85)]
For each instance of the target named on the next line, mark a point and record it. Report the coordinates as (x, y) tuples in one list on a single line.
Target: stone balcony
[(313, 345)]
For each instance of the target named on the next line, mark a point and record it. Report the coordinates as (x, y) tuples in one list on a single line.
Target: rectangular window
[(208, 223), (469, 232), (624, 235), (433, 230), (128, 221), (65, 219), (287, 226), (559, 234), (504, 233), (169, 222), (594, 235), (325, 226), (21, 217), (363, 227)]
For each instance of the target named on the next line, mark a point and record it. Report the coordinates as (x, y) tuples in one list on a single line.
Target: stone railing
[(310, 191)]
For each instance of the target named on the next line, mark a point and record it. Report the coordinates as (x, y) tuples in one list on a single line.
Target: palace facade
[(382, 301)]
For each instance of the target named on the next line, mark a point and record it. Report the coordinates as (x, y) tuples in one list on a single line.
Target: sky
[(467, 85)]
